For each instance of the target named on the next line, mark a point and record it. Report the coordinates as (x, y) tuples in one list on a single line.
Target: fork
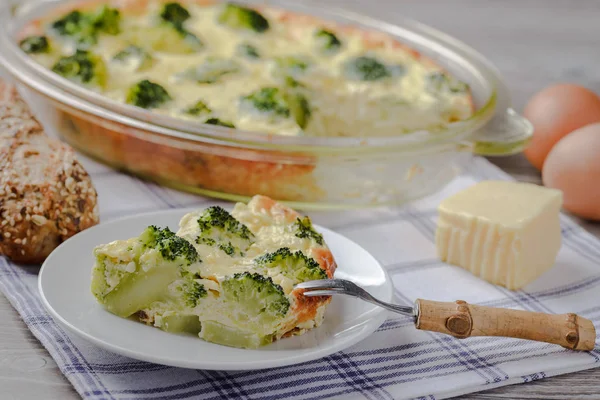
[(463, 320)]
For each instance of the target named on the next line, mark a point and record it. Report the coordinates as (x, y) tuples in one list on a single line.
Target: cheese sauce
[(269, 236), (407, 99)]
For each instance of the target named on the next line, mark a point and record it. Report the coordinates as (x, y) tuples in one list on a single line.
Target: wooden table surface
[(532, 42)]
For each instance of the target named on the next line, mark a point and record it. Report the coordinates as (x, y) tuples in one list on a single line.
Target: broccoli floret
[(170, 246), (135, 56), (84, 27), (261, 302), (192, 292), (366, 69), (164, 38), (291, 65), (247, 50), (133, 291), (439, 81), (200, 108), (147, 94), (142, 273), (35, 45), (72, 24), (207, 241), (239, 17), (292, 83), (216, 332), (269, 100), (170, 321), (299, 108), (107, 20), (77, 25), (295, 266), (304, 229), (175, 14), (218, 227), (217, 121), (210, 71), (279, 103), (228, 248), (83, 66), (327, 41), (216, 217)]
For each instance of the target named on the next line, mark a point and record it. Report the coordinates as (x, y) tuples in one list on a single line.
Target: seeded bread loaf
[(46, 196)]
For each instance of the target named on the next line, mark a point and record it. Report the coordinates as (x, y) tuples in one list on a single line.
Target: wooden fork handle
[(463, 320)]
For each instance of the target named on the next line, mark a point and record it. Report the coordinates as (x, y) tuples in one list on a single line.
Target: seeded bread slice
[(46, 196)]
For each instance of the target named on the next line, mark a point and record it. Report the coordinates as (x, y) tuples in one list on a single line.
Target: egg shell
[(573, 166), (555, 112)]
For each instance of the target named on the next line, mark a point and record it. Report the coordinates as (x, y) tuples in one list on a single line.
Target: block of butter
[(507, 233)]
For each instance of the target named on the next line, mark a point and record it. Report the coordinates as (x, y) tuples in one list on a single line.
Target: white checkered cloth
[(396, 362)]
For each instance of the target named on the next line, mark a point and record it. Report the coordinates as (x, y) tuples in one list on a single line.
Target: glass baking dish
[(306, 172)]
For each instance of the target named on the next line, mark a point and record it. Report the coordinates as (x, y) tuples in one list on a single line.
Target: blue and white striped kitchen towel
[(396, 362)]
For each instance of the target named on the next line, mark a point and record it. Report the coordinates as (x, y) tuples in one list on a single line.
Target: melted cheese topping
[(271, 233), (339, 105)]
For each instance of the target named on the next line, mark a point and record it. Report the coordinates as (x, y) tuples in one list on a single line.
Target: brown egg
[(573, 166), (556, 111)]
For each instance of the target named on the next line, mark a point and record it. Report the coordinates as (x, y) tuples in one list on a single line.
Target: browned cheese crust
[(46, 196), (305, 308)]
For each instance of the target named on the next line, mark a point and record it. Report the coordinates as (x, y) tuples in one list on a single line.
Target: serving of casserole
[(227, 277)]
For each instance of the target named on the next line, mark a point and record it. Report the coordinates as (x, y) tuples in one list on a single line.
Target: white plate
[(64, 284)]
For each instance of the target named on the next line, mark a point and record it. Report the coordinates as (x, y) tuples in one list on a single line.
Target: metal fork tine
[(321, 284), (329, 287), (315, 293)]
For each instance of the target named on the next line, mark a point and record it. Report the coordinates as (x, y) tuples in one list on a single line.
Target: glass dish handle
[(505, 134)]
